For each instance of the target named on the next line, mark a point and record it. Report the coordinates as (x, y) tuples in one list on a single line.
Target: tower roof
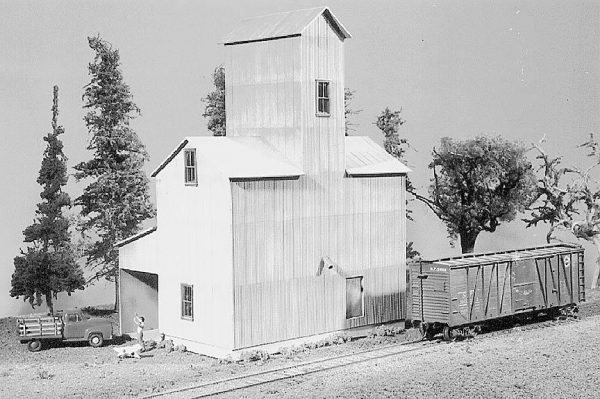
[(282, 25)]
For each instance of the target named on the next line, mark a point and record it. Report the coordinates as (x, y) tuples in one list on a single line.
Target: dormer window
[(322, 98), (190, 166)]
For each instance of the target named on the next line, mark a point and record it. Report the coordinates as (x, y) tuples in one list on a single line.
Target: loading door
[(525, 286)]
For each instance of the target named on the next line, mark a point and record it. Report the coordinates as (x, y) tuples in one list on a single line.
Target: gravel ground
[(559, 361)]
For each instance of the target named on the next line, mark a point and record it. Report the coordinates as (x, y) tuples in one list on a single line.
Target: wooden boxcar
[(452, 295)]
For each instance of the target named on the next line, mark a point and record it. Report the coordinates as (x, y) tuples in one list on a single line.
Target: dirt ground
[(559, 360)]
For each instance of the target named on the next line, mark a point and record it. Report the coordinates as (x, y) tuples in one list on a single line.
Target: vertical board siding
[(282, 229), (278, 294)]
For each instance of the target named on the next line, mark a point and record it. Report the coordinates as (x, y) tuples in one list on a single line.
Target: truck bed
[(40, 327)]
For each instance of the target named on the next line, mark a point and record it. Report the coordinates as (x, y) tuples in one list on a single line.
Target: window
[(354, 297), (322, 98), (187, 301), (73, 318), (190, 166)]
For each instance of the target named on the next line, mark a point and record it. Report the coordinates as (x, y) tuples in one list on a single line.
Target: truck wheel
[(35, 345), (96, 340)]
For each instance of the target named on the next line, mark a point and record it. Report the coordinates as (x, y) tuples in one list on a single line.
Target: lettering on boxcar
[(567, 260)]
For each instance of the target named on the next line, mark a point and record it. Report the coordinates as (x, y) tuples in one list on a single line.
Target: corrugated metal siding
[(281, 232)]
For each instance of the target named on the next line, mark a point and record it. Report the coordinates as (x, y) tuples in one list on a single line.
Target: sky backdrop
[(522, 69)]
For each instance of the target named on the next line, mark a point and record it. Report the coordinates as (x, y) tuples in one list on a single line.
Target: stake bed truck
[(67, 326)]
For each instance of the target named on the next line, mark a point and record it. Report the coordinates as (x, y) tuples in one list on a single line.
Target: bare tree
[(568, 199)]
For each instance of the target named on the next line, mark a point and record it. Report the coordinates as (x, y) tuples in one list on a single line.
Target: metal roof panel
[(280, 25), (365, 158)]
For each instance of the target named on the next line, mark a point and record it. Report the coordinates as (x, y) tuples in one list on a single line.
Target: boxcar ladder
[(581, 264)]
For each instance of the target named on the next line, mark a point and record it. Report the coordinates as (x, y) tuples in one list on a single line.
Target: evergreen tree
[(389, 123), (117, 200), (48, 266), (215, 104)]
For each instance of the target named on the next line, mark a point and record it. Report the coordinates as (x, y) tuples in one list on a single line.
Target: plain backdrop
[(522, 69)]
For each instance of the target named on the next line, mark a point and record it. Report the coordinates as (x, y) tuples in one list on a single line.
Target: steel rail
[(230, 384)]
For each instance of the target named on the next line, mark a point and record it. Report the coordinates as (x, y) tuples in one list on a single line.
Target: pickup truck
[(66, 326)]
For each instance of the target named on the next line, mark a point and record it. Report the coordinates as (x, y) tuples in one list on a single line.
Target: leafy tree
[(478, 183), (389, 123), (48, 266), (117, 200), (569, 199), (215, 104), (348, 111)]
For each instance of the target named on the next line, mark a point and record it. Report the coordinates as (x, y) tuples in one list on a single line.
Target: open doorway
[(138, 293)]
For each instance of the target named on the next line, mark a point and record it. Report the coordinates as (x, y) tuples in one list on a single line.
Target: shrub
[(252, 356)]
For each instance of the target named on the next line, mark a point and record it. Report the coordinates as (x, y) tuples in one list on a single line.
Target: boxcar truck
[(66, 326), (455, 295)]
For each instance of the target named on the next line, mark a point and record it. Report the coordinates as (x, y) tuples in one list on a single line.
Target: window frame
[(185, 301), (362, 298), (193, 168), (326, 98)]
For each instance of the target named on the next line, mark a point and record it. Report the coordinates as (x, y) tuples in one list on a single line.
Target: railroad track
[(264, 377)]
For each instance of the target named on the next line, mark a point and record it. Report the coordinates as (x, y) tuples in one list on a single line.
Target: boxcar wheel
[(96, 340), (35, 345), (449, 334)]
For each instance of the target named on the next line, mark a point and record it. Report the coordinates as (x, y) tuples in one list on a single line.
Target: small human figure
[(139, 321)]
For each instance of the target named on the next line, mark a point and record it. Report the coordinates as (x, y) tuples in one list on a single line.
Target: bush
[(252, 356), (334, 339), (384, 331)]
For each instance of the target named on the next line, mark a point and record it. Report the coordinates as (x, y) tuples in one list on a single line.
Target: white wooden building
[(284, 229)]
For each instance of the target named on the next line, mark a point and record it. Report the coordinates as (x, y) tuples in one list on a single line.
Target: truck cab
[(80, 327)]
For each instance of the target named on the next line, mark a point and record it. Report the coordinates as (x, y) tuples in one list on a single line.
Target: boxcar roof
[(504, 256), (238, 157), (366, 158), (281, 25)]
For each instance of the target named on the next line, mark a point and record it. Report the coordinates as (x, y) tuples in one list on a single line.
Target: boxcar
[(453, 295)]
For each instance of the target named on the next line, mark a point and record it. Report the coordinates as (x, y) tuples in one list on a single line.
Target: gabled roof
[(281, 25), (366, 158), (238, 157)]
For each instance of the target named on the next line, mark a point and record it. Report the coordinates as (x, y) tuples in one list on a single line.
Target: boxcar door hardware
[(423, 276)]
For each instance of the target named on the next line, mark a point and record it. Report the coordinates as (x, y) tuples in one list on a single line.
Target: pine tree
[(117, 200), (215, 104), (48, 266), (389, 123)]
